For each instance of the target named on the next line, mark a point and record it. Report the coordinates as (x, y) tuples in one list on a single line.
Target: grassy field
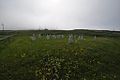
[(55, 59)]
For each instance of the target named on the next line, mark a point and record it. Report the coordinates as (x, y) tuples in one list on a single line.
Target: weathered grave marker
[(39, 36), (79, 37), (95, 37), (33, 37), (54, 36), (82, 37), (48, 37), (62, 36), (70, 39)]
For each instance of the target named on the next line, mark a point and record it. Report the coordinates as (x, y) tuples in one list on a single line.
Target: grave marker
[(33, 37), (95, 37), (70, 38)]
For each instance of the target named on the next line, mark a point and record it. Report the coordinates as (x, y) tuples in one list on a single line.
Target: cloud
[(63, 14)]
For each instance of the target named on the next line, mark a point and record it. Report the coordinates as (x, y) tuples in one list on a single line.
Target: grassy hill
[(41, 59)]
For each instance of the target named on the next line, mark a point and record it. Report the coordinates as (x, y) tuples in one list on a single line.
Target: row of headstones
[(71, 38), (48, 36)]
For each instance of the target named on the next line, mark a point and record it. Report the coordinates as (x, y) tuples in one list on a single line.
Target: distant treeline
[(66, 32)]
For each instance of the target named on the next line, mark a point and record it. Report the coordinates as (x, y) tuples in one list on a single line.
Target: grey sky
[(60, 14)]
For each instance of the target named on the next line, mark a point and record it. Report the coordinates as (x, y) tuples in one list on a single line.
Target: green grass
[(24, 59)]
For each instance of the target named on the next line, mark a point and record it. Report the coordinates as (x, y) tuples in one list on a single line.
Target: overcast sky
[(60, 14)]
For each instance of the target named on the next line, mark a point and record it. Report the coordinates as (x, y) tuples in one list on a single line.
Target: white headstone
[(62, 36), (95, 37), (33, 37), (70, 39), (58, 36), (79, 37), (82, 37), (48, 37), (39, 36), (54, 36)]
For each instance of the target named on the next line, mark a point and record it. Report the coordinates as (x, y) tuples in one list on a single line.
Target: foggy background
[(60, 14)]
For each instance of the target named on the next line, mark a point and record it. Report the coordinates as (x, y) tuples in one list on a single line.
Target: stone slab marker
[(39, 36), (33, 37), (82, 37), (70, 39), (48, 37), (95, 37)]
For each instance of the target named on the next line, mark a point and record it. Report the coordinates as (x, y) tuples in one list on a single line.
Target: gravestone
[(62, 36), (48, 37), (39, 36), (82, 37), (33, 37), (54, 36), (59, 36), (95, 37), (79, 37), (71, 39)]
